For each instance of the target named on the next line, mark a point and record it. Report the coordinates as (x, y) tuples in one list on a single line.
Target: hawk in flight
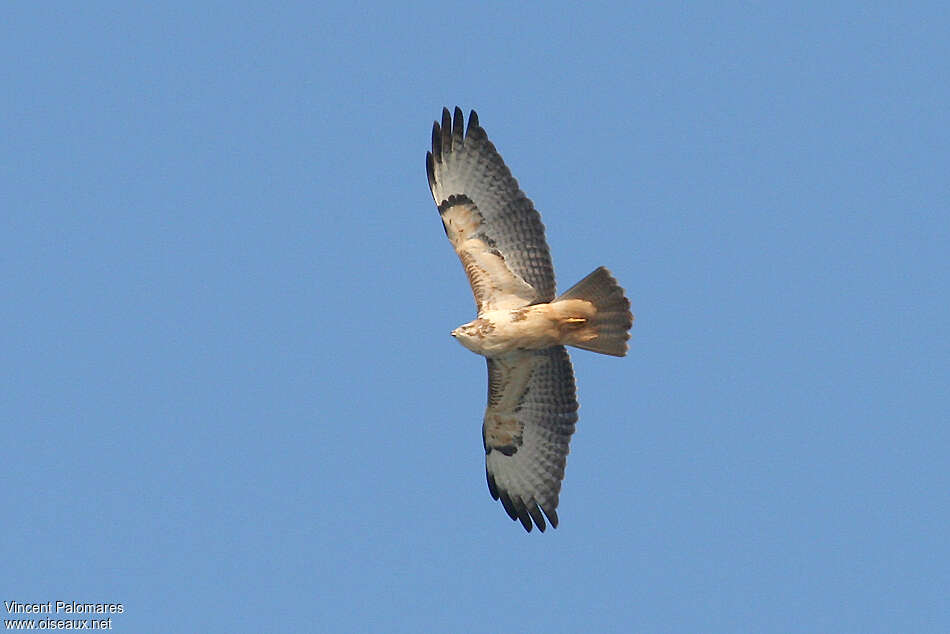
[(521, 327)]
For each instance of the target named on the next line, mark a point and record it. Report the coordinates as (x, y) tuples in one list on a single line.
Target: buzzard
[(521, 327)]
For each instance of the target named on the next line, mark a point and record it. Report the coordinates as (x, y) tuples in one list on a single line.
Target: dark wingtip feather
[(535, 513), (472, 122), (458, 126), (492, 487), (436, 142), (430, 171), (506, 502), (446, 130), (523, 513)]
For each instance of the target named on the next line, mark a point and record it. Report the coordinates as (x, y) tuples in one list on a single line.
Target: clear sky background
[(229, 396)]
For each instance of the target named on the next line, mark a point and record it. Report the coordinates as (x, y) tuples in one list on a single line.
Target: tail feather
[(612, 320)]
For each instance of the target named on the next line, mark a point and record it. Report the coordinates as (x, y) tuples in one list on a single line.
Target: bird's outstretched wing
[(532, 409), (493, 226)]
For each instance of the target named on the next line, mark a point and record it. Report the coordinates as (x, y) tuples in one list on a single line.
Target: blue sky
[(230, 398)]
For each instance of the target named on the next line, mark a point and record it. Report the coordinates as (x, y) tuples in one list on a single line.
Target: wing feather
[(529, 420), (490, 222)]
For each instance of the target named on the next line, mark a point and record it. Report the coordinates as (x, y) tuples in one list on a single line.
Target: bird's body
[(499, 332), (521, 327)]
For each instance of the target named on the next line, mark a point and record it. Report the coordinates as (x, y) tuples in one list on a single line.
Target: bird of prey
[(521, 327)]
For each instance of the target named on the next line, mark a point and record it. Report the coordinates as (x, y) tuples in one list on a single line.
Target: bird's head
[(471, 335)]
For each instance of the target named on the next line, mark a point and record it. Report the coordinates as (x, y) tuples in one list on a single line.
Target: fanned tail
[(613, 319)]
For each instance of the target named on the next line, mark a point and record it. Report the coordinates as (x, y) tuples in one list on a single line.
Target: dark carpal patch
[(504, 433), (508, 450), (453, 200)]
